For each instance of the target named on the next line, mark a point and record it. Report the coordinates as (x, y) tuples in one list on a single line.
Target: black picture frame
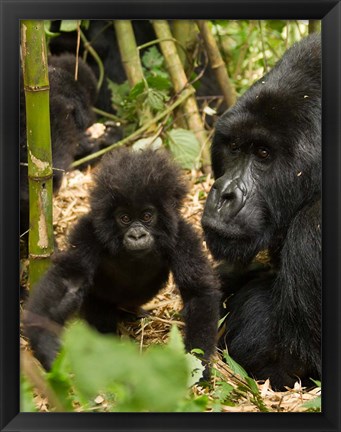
[(11, 12)]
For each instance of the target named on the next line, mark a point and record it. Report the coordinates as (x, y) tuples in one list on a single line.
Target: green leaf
[(155, 99), (220, 322), (175, 340), (68, 25), (196, 369), (185, 147), (85, 24), (60, 380), (96, 359), (198, 404), (236, 368), (223, 391), (152, 58), (118, 91), (253, 385), (26, 396), (104, 364), (316, 382), (313, 405), (137, 90), (159, 82), (47, 25)]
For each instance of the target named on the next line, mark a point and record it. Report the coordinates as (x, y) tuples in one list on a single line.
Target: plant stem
[(88, 47)]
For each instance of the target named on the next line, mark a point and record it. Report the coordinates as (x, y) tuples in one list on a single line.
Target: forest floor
[(164, 310)]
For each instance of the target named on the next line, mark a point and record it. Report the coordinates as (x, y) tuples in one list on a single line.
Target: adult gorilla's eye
[(147, 217), (125, 219), (262, 153), (234, 147)]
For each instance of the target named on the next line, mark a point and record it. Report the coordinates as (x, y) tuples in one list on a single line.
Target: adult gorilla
[(266, 158)]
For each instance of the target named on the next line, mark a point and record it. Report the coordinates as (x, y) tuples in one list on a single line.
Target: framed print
[(224, 98)]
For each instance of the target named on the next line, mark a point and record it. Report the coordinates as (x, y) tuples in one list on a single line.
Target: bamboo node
[(40, 257), (39, 179), (35, 89)]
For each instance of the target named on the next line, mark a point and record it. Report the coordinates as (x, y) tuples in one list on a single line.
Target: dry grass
[(163, 310)]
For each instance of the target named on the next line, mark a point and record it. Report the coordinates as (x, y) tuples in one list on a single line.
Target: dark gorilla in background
[(121, 254), (70, 115), (266, 157), (102, 36)]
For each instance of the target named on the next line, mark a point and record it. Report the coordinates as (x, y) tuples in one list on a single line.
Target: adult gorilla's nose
[(226, 198)]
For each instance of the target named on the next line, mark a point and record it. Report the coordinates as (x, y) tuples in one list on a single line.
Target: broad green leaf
[(68, 25), (199, 404), (253, 385), (104, 364), (196, 369), (223, 390), (152, 58), (236, 368), (185, 147), (175, 340), (159, 82), (313, 405), (96, 359), (60, 380), (118, 91), (155, 99), (137, 90), (26, 396)]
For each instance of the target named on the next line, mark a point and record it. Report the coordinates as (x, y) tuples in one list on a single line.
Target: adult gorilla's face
[(266, 162), (236, 212)]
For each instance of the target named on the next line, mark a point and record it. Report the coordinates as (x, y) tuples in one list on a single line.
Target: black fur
[(118, 262), (266, 157), (70, 115)]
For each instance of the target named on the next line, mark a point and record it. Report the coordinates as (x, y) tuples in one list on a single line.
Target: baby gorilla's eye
[(125, 219), (262, 153), (147, 217)]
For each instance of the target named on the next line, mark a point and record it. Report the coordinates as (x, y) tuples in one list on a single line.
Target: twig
[(108, 115), (77, 49), (88, 47)]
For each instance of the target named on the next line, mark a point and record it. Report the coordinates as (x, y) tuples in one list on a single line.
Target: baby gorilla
[(121, 254)]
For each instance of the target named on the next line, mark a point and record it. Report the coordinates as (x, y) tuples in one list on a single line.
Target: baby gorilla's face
[(136, 228)]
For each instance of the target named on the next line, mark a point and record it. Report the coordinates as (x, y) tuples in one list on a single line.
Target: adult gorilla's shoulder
[(266, 158)]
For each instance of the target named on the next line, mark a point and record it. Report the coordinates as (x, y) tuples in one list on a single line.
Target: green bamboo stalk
[(179, 80), (36, 84), (185, 33), (131, 59), (217, 63)]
